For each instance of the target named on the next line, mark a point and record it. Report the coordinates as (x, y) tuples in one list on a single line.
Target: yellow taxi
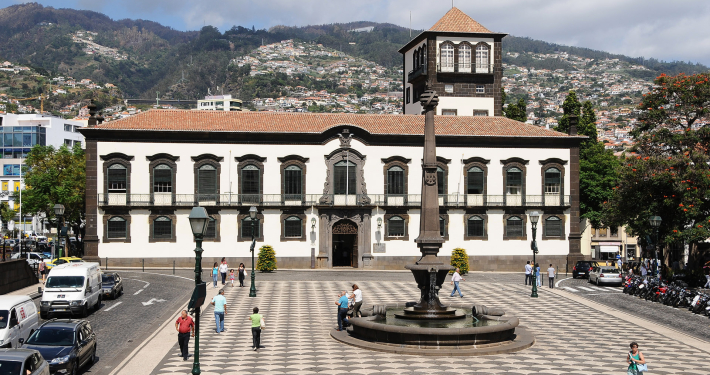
[(59, 261)]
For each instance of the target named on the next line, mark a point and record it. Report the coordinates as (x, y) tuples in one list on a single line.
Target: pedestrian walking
[(707, 284), (220, 310), (551, 276), (215, 270), (257, 324), (42, 267), (538, 276), (223, 267), (357, 300), (242, 274), (184, 325), (342, 310), (231, 277), (644, 270), (455, 279), (619, 263), (528, 273), (636, 361)]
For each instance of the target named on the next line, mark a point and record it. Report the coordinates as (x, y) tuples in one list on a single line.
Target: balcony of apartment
[(459, 69), (328, 200), (417, 74)]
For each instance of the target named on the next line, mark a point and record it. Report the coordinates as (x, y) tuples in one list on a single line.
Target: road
[(125, 322)]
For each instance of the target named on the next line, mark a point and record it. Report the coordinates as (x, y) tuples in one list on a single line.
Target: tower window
[(447, 57), (464, 58)]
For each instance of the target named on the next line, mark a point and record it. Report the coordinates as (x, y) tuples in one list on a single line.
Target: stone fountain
[(428, 327)]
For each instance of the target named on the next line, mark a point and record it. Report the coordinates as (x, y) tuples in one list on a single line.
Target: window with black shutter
[(251, 181), (514, 227), (552, 181), (162, 228), (211, 232), (395, 226), (474, 226), (344, 174), (553, 227), (441, 180), (116, 178), (292, 182), (207, 182), (292, 227), (442, 226), (395, 180), (514, 184), (475, 181), (246, 228), (162, 179), (116, 227)]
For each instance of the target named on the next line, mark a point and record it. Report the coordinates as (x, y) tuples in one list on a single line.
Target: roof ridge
[(456, 20)]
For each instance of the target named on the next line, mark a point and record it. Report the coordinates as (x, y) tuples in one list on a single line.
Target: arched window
[(293, 180), (514, 227), (162, 228), (514, 181), (292, 227), (482, 59), (415, 59), (447, 57), (251, 180), (395, 180), (116, 178), (395, 227), (464, 58), (475, 180), (553, 227), (344, 177), (162, 179), (247, 228), (474, 226), (116, 227), (553, 181), (207, 183)]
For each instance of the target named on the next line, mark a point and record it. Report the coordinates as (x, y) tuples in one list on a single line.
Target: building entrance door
[(344, 244)]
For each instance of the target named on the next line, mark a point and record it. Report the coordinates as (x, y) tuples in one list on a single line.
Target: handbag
[(262, 324), (640, 367)]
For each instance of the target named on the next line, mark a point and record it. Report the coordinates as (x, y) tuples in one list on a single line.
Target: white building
[(219, 103), (21, 132), (331, 190)]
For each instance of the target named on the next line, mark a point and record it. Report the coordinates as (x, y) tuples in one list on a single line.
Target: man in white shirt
[(551, 276), (528, 273), (357, 300), (644, 270), (455, 280)]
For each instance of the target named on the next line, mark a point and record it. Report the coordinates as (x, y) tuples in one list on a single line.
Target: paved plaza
[(573, 335)]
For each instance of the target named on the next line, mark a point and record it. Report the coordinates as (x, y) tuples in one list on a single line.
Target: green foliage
[(459, 259), (6, 213), (571, 106), (517, 111), (267, 259), (55, 176)]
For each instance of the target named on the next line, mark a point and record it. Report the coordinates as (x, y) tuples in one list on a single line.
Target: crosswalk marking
[(584, 288), (571, 289)]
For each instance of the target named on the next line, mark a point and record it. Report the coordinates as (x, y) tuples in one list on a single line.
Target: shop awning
[(609, 249)]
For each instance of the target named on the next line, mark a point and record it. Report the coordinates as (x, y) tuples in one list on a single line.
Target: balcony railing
[(306, 200), (416, 73), (472, 68)]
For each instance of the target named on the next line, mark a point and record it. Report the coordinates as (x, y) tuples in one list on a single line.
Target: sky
[(664, 29)]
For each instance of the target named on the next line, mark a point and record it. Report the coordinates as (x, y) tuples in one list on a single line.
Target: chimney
[(92, 114), (572, 125)]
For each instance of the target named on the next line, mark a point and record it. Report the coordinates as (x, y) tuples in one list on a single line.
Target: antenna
[(157, 98), (410, 24)]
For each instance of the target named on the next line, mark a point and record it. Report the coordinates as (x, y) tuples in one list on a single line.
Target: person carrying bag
[(636, 361)]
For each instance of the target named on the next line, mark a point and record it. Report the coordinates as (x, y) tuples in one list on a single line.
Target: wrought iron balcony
[(339, 200), (416, 73)]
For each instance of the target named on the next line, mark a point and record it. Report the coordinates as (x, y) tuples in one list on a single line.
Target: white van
[(18, 319), (71, 288)]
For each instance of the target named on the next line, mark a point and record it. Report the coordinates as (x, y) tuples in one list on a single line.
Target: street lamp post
[(198, 223), (59, 212), (534, 216), (655, 223), (252, 216)]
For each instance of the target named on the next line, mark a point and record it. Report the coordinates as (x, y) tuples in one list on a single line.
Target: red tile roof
[(457, 21), (288, 122)]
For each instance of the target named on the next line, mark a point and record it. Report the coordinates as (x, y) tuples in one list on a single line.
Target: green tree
[(517, 111), (6, 213), (571, 106), (267, 259)]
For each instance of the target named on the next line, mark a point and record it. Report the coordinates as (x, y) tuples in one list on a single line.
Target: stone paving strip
[(299, 316)]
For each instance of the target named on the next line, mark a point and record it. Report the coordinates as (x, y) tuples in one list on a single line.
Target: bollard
[(173, 267), (39, 289), (143, 265)]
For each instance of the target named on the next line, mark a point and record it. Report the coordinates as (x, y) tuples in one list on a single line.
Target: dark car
[(111, 285), (582, 268), (22, 361), (67, 344)]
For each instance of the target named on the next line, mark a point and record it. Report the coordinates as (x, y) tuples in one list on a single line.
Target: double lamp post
[(534, 216)]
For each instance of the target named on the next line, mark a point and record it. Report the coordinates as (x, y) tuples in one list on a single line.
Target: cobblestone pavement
[(121, 323), (571, 338)]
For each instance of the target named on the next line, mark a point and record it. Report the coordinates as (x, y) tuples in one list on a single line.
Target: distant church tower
[(462, 59)]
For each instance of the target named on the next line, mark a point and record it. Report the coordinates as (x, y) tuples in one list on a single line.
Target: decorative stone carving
[(344, 228), (430, 178), (345, 138)]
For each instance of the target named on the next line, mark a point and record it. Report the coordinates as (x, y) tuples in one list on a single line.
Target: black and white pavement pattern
[(299, 311)]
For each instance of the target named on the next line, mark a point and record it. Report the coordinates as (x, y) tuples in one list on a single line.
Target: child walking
[(231, 277)]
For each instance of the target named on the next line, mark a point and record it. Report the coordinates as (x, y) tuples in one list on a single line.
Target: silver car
[(22, 362), (605, 275)]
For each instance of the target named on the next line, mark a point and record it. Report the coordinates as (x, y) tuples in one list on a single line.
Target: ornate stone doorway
[(345, 244)]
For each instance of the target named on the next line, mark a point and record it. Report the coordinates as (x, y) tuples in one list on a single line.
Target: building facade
[(21, 132)]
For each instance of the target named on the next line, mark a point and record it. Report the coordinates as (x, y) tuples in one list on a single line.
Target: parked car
[(71, 288), (62, 260), (18, 319), (605, 275), (67, 344), (22, 362), (32, 258), (111, 284), (582, 268)]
